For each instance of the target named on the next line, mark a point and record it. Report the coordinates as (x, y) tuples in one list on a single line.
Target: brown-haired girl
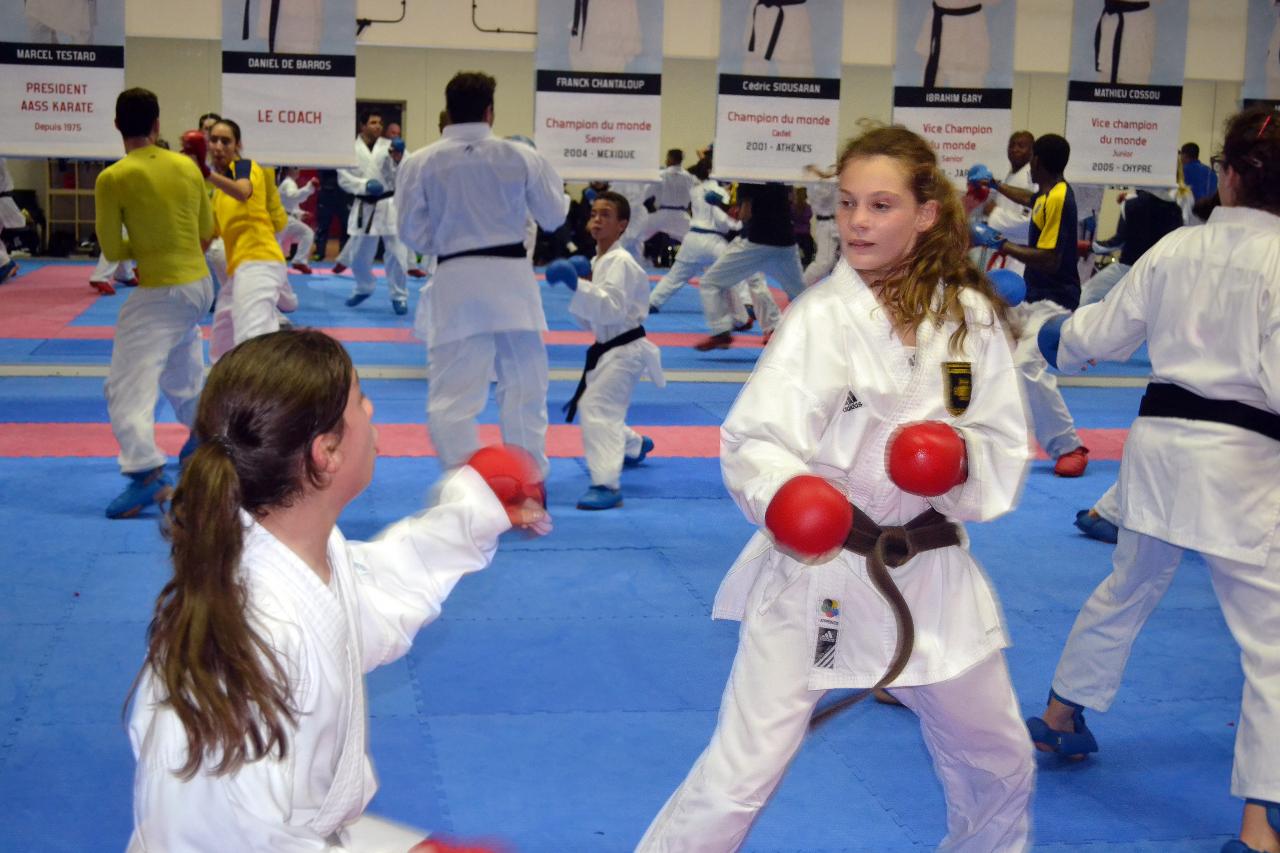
[(249, 720), (1201, 464), (904, 330)]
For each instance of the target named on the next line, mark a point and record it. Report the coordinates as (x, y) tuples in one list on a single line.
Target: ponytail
[(263, 405)]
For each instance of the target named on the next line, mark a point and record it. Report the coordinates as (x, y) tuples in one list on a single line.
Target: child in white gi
[(249, 721), (1201, 464), (10, 217), (297, 233), (905, 329), (613, 304)]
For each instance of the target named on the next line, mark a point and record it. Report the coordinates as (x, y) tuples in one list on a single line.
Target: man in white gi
[(373, 183), (10, 217), (1201, 464), (613, 304), (823, 196), (1011, 219), (297, 233), (672, 200), (465, 199)]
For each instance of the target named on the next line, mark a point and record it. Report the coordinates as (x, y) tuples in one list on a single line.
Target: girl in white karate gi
[(1201, 464), (904, 330), (249, 720)]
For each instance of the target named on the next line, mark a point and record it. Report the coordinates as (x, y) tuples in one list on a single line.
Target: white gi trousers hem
[(216, 259), (156, 349), (826, 241), (1097, 650), (971, 723), (458, 387), (299, 233), (1054, 427), (110, 271), (247, 305), (602, 411), (1096, 288), (697, 253), (674, 222), (750, 261), (363, 247)]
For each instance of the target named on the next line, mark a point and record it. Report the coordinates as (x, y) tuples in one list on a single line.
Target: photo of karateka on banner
[(1262, 54), (598, 105), (289, 78), (779, 96), (953, 78), (61, 68), (1124, 96)]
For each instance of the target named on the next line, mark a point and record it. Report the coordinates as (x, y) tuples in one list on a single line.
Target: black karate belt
[(673, 207), (822, 218), (935, 39), (594, 354), (777, 24), (888, 548), (695, 230), (510, 250), (1163, 400), (579, 27), (273, 21), (373, 201), (1113, 7)]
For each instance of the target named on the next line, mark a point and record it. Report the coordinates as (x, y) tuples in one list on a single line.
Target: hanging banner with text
[(953, 79), (598, 104), (289, 79), (1124, 97), (778, 109), (1262, 54), (61, 68)]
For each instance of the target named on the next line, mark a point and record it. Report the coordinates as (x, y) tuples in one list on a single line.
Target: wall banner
[(778, 108), (953, 79), (1124, 97), (598, 87), (289, 79), (61, 68), (1262, 54)]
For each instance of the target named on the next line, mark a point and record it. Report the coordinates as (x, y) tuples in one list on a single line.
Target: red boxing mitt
[(195, 146), (511, 472), (809, 516), (927, 458), (437, 845)]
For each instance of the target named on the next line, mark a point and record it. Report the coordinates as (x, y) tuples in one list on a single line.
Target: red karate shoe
[(1072, 464), (724, 340), (106, 288)]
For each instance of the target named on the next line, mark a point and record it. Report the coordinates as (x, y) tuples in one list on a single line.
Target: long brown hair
[(941, 253), (263, 405)]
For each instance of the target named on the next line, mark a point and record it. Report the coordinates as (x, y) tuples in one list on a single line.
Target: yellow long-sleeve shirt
[(160, 197), (249, 227)]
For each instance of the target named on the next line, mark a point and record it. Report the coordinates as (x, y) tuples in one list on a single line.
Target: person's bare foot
[(1256, 831)]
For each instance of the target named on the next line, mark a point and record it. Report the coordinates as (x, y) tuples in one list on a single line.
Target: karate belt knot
[(888, 548), (594, 353)]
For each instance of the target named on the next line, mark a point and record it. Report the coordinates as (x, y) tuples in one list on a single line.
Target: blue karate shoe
[(8, 271), (646, 447), (600, 497), (145, 488), (356, 298), (1073, 744), (1096, 527), (400, 306)]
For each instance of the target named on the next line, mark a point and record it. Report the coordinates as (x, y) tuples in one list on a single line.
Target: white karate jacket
[(381, 593), (828, 392), (372, 165)]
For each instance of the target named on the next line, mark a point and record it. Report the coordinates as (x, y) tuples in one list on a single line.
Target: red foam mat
[(43, 302), (24, 441)]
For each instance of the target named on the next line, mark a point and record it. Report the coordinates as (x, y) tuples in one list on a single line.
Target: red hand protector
[(809, 516), (195, 146), (927, 458), (438, 845), (511, 472)]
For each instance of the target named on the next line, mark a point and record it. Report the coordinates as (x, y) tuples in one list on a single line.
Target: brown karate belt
[(888, 548)]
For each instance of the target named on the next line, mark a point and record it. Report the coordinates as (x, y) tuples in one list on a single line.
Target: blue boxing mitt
[(984, 235), (561, 271), (581, 266), (374, 188), (979, 173), (1011, 287), (397, 145), (1050, 337)]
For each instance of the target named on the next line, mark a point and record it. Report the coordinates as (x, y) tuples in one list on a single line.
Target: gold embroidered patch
[(957, 386)]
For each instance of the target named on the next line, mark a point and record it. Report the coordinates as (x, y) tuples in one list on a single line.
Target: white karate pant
[(247, 305), (826, 240), (363, 247), (1050, 418), (602, 411), (971, 724), (4, 253), (746, 260), (458, 387), (216, 259), (1097, 286), (113, 270), (156, 349), (372, 834), (1098, 647), (299, 233), (697, 253), (670, 221)]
